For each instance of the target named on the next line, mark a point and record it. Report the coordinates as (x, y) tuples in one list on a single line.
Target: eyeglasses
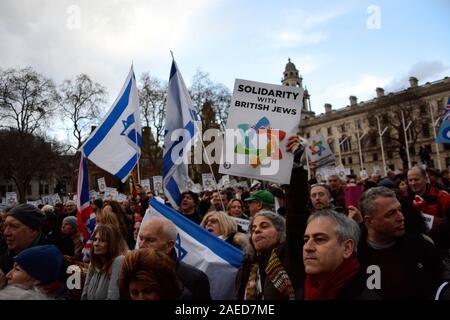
[(213, 221)]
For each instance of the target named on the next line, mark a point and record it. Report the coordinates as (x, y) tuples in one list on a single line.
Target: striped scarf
[(276, 273)]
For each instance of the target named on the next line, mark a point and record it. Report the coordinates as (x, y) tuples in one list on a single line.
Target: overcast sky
[(341, 48)]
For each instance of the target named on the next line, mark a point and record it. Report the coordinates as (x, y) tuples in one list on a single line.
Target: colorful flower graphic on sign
[(316, 147), (261, 131)]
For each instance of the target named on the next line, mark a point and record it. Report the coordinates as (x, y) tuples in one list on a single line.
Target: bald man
[(161, 234)]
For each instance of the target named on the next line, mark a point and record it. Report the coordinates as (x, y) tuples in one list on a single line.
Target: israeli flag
[(178, 137), (444, 130), (200, 248), (115, 145)]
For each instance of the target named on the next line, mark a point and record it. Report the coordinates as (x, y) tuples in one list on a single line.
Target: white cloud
[(111, 35), (424, 71), (338, 94), (300, 28)]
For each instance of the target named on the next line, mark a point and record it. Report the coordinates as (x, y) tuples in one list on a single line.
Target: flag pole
[(204, 150), (209, 165)]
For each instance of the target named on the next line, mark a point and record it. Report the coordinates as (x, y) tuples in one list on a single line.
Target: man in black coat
[(161, 234), (406, 265)]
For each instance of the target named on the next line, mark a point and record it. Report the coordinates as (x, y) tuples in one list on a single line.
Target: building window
[(346, 146), (409, 134), (343, 161), (43, 188), (343, 127), (350, 160), (373, 140), (308, 135), (389, 154), (423, 109), (375, 157), (412, 151), (317, 131), (329, 131), (446, 146), (440, 104), (349, 144), (426, 130)]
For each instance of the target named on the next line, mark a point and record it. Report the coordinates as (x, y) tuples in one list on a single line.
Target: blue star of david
[(181, 251), (321, 148), (126, 124)]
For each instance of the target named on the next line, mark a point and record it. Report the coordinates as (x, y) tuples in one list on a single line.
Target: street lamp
[(434, 123), (381, 134), (339, 149), (359, 138), (405, 128)]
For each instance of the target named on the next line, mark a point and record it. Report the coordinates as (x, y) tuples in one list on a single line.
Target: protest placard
[(145, 183), (157, 184), (319, 152), (11, 199), (244, 223), (110, 194), (208, 182), (101, 184), (261, 118)]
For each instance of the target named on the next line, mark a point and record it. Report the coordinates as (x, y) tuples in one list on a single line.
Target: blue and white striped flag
[(202, 249), (444, 131), (116, 143), (178, 137)]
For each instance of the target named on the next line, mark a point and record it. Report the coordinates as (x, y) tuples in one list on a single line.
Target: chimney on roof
[(413, 82), (380, 92), (353, 101), (328, 108)]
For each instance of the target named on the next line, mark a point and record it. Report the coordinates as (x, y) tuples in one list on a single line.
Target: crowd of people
[(299, 241)]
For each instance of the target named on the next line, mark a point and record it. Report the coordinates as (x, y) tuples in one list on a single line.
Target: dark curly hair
[(151, 268)]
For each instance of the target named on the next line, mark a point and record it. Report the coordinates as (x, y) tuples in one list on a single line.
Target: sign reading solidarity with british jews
[(261, 118)]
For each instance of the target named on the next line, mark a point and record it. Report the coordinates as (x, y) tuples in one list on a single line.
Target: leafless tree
[(27, 100), (153, 99), (205, 92), (81, 101), (414, 110), (27, 157)]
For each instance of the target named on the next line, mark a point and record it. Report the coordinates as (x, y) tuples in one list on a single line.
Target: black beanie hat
[(29, 215), (192, 194)]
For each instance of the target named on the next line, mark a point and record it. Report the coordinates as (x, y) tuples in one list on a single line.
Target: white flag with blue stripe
[(178, 137), (116, 143), (202, 249)]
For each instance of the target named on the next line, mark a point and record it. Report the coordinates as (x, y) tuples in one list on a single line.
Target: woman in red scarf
[(332, 270)]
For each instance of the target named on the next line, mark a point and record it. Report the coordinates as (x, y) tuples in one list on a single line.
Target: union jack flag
[(85, 213)]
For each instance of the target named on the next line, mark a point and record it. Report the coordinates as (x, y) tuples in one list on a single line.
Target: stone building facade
[(422, 105)]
